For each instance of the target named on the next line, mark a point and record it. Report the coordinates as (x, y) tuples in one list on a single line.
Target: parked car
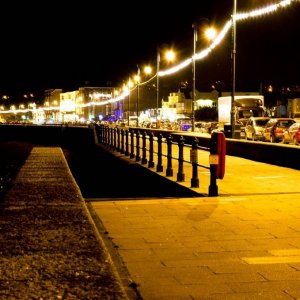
[(184, 124), (204, 127), (254, 128), (292, 134), (199, 127), (275, 127)]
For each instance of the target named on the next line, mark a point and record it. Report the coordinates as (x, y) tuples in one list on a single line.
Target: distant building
[(178, 105), (94, 103), (68, 107), (84, 104), (51, 105)]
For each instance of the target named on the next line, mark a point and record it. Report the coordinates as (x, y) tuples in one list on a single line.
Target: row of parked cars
[(286, 130)]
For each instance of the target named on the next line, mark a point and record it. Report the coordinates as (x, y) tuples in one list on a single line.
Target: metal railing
[(158, 149)]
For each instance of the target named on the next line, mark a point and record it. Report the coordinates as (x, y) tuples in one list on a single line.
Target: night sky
[(46, 45)]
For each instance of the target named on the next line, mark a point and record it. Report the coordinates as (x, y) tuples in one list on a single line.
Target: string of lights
[(270, 9)]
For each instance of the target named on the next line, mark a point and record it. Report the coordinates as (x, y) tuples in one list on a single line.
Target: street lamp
[(169, 56), (194, 76), (147, 70), (130, 85), (157, 84), (233, 53), (121, 106), (210, 33), (137, 79)]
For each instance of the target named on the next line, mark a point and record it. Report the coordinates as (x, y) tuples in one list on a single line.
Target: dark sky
[(56, 45)]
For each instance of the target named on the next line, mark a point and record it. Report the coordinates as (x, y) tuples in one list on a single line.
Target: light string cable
[(198, 56), (220, 37)]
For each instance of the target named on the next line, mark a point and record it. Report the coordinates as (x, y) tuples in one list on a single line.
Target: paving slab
[(242, 244), (50, 247)]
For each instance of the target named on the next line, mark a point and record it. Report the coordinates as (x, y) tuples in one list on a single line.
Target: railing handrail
[(141, 140)]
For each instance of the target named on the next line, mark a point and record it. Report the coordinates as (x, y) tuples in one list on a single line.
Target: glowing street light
[(170, 55), (5, 97), (147, 70)]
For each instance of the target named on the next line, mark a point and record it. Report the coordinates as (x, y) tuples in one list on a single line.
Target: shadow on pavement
[(12, 156), (100, 174)]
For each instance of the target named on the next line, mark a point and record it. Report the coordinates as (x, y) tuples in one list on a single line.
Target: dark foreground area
[(101, 174), (12, 157), (98, 173)]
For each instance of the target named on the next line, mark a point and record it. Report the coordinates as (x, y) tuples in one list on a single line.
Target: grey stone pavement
[(50, 247), (242, 244)]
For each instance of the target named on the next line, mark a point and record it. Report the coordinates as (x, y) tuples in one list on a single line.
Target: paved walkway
[(50, 248), (243, 244)]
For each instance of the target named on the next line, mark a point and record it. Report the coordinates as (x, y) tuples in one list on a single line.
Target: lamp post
[(137, 79), (115, 93), (194, 77), (130, 85), (209, 34), (169, 56), (128, 106), (233, 53), (157, 84), (125, 89)]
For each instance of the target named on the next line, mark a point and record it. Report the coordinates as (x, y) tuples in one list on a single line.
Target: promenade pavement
[(50, 247), (242, 244)]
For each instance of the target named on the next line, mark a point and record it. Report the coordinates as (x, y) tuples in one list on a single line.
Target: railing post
[(213, 187), (169, 171), (122, 141), (114, 139), (99, 133), (132, 144), (159, 167), (101, 137), (118, 139), (127, 142), (180, 174), (104, 135), (108, 135), (144, 159), (111, 140), (137, 157), (151, 162), (194, 159)]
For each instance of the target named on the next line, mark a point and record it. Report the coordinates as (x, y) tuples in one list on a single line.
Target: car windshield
[(261, 122), (285, 123), (248, 113)]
